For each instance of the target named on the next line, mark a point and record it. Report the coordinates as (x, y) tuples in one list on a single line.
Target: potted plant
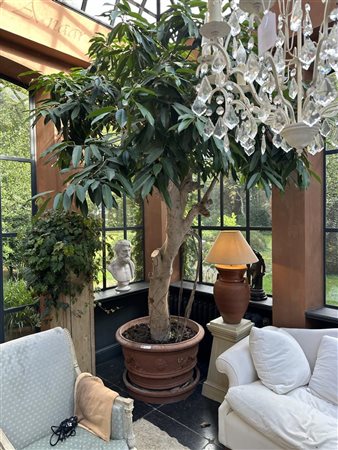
[(127, 126), (60, 265)]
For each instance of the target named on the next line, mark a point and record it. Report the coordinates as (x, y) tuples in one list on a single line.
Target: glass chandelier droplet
[(230, 117), (279, 59), (307, 24), (198, 107), (279, 121), (234, 24), (285, 146), (311, 114), (293, 88), (325, 129), (220, 128), (334, 14), (252, 68), (226, 143), (219, 110), (263, 144), (220, 99), (204, 90), (277, 140), (325, 93), (296, 16), (317, 146), (209, 128), (241, 54), (218, 63), (308, 52)]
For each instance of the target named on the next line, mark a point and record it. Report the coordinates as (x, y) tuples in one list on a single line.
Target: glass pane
[(261, 241), (214, 218), (114, 217), (16, 294), (14, 123), (12, 262), (98, 284), (332, 190), (190, 258), (111, 238), (192, 200), (234, 203), (136, 239), (15, 179), (209, 272), (134, 212), (260, 209), (21, 323), (332, 269)]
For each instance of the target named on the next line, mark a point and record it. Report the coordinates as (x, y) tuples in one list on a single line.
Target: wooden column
[(79, 320), (297, 251)]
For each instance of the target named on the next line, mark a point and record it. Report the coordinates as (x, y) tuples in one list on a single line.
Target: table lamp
[(230, 254)]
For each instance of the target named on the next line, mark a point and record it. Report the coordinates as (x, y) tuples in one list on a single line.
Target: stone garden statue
[(122, 267)]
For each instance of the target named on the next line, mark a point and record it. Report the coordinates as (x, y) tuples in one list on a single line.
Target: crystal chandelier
[(268, 77)]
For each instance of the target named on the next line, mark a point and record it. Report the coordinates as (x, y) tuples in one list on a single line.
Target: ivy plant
[(59, 256)]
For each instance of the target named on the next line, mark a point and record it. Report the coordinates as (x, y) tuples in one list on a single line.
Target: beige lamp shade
[(231, 248)]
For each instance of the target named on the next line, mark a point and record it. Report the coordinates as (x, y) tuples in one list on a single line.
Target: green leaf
[(274, 180), (253, 180), (155, 153), (147, 186), (80, 193), (139, 182), (184, 124), (67, 201), (125, 183), (107, 196), (157, 169), (100, 117), (121, 117), (100, 111), (96, 152), (76, 155), (57, 200), (146, 113)]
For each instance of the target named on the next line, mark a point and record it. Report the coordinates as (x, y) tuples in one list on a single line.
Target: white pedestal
[(224, 337)]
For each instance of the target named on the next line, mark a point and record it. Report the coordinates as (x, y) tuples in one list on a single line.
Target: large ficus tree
[(127, 127)]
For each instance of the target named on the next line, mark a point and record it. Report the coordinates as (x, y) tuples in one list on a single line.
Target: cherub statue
[(122, 267)]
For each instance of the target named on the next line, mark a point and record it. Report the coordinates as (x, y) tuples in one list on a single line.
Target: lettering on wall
[(28, 11)]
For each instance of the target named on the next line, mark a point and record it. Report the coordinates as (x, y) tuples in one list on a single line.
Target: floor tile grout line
[(185, 426)]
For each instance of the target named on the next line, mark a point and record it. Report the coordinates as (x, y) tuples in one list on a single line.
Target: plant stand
[(224, 337), (79, 320)]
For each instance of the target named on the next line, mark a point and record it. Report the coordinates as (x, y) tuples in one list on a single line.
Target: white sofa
[(253, 417)]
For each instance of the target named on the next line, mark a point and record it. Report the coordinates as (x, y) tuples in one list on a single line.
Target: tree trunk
[(178, 226)]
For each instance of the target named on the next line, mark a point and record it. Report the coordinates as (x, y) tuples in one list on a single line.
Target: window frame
[(326, 229), (19, 160), (247, 229)]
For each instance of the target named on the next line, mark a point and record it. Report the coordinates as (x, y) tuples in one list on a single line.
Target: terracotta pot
[(160, 373)]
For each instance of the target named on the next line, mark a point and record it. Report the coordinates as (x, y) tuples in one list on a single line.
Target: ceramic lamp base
[(232, 293)]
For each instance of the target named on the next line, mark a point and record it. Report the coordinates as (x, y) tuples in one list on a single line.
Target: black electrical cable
[(64, 430)]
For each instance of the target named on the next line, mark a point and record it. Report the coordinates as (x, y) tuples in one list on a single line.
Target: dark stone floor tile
[(184, 435), (196, 412)]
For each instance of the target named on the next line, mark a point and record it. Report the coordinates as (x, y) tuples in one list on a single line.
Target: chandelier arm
[(315, 64), (286, 102)]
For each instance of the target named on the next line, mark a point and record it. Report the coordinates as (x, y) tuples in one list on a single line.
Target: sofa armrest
[(123, 414), (5, 444), (236, 363)]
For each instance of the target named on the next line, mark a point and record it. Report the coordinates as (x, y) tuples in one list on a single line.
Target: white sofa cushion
[(279, 360), (288, 422), (324, 380)]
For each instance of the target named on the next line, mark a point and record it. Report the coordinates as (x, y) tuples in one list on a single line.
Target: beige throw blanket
[(93, 405)]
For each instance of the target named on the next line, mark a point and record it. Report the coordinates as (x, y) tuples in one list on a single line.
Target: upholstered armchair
[(38, 374)]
